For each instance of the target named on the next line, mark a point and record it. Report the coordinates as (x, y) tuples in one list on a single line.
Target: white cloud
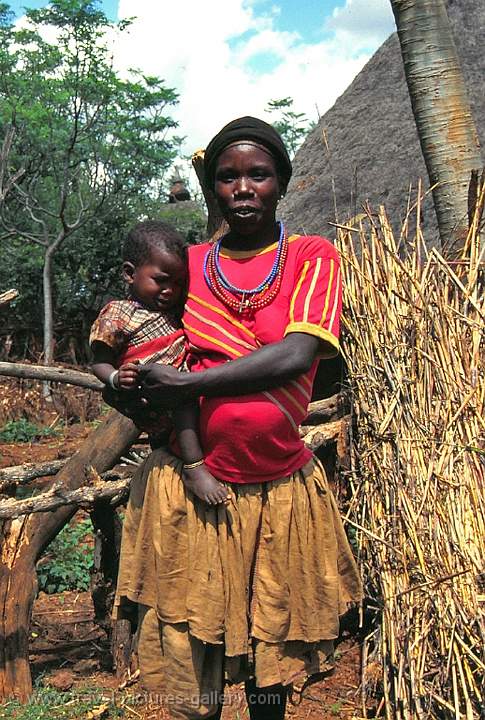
[(362, 23), (227, 58)]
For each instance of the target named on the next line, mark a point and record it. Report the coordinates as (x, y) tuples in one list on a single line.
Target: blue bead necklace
[(264, 283), (251, 299)]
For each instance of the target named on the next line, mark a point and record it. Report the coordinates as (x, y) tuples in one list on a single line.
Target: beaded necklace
[(244, 299)]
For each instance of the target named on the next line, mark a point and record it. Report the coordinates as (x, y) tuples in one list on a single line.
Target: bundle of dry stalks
[(415, 352)]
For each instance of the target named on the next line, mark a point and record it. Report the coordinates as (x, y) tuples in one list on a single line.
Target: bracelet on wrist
[(111, 380), (191, 466)]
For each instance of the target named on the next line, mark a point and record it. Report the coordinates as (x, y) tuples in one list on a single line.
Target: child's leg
[(196, 477)]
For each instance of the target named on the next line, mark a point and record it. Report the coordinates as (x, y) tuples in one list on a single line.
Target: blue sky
[(228, 58), (304, 16), (312, 19), (110, 7)]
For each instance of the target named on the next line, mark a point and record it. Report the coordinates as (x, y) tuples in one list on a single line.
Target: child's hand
[(127, 377)]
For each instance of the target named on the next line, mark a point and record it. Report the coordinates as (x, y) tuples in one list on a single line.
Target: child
[(146, 328)]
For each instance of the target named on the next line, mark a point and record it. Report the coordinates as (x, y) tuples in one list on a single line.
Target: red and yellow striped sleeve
[(316, 302)]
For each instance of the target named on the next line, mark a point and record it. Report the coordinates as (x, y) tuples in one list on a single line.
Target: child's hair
[(152, 234)]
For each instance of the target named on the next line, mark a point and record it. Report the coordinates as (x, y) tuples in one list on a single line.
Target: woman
[(251, 590)]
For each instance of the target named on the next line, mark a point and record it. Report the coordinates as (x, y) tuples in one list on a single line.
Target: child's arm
[(103, 366), (198, 478)]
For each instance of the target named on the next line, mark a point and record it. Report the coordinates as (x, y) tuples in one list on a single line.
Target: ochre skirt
[(261, 581)]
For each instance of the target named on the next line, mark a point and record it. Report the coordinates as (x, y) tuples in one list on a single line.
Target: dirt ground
[(70, 653)]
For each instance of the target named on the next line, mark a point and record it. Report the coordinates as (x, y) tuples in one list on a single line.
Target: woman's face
[(247, 188)]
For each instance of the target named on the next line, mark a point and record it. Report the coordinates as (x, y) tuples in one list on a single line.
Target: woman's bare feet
[(203, 484)]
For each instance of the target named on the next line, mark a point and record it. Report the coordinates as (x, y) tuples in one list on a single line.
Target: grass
[(50, 704)]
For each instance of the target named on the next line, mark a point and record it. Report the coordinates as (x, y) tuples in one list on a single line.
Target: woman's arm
[(270, 366)]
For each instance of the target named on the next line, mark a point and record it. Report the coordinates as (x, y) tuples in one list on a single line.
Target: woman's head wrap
[(257, 131)]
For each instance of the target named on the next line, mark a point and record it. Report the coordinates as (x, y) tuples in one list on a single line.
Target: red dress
[(254, 438)]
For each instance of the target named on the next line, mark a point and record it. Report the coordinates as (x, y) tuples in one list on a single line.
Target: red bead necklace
[(240, 302)]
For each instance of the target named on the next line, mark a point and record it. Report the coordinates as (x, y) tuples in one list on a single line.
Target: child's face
[(159, 282)]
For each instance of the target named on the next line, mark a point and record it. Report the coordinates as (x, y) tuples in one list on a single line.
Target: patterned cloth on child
[(137, 334)]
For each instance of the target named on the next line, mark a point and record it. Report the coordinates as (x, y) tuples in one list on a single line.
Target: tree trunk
[(17, 592), (446, 130), (48, 311), (22, 542)]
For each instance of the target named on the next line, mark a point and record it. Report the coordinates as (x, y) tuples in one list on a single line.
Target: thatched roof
[(374, 151)]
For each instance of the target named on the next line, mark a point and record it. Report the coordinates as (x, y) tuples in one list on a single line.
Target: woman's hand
[(163, 385)]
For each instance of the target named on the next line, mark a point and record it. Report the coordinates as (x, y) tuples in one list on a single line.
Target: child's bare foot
[(203, 484)]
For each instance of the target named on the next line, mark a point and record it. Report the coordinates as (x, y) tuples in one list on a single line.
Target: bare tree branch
[(23, 474), (7, 296), (28, 204), (51, 374), (319, 411), (11, 231), (332, 408), (57, 497), (112, 485)]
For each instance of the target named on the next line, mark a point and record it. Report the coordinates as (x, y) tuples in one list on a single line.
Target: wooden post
[(23, 540), (107, 543)]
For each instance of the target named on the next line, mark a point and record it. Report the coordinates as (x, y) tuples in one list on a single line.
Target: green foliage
[(69, 560), (49, 704), (23, 431), (92, 149), (187, 217), (292, 126)]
